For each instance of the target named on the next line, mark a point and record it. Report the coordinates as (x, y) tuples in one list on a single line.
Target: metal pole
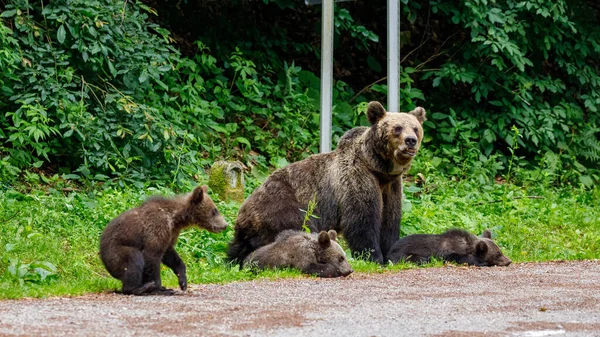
[(393, 52), (326, 74)]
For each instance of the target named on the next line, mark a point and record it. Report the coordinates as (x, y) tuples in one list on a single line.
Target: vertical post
[(326, 74), (393, 54)]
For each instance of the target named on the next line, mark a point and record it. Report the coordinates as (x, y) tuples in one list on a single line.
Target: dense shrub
[(498, 64), (99, 90), (101, 93)]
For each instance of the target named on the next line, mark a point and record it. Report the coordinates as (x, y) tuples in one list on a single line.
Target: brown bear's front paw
[(163, 291), (183, 284)]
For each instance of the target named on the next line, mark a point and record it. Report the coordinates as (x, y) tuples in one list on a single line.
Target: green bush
[(498, 64), (98, 91)]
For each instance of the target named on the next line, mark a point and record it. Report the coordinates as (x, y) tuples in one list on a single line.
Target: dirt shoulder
[(529, 299)]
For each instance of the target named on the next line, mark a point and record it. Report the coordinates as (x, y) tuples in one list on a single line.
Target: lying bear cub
[(455, 245), (135, 243), (316, 254)]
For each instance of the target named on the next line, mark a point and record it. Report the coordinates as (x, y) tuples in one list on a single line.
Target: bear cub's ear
[(486, 234), (375, 112), (481, 248), (324, 240), (419, 112), (198, 194), (332, 234)]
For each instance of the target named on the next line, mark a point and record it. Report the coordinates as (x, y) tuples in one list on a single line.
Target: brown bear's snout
[(504, 261), (411, 142), (346, 272)]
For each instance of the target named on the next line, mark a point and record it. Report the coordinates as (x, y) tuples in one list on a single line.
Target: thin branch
[(12, 216), (123, 13), (423, 39), (89, 85), (365, 88), (414, 50)]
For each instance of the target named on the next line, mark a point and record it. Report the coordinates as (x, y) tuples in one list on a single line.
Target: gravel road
[(528, 299)]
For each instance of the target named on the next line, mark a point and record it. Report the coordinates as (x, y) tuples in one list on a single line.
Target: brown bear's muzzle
[(411, 142), (217, 225), (504, 261)]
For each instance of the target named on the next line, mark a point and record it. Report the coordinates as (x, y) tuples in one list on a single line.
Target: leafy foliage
[(97, 91), (531, 64), (100, 94)]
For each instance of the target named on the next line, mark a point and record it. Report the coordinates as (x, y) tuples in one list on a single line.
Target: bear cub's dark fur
[(316, 254), (455, 245), (134, 244)]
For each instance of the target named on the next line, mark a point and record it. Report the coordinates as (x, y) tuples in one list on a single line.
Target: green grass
[(48, 228)]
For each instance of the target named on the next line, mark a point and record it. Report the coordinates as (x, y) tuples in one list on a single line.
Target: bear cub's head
[(202, 211), (400, 133), (330, 252), (487, 252)]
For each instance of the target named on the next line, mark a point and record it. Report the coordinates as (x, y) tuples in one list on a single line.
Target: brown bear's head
[(203, 212), (331, 252), (398, 133), (488, 251)]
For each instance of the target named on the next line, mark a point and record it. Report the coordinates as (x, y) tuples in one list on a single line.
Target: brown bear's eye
[(416, 131), (397, 130), (341, 259), (215, 212)]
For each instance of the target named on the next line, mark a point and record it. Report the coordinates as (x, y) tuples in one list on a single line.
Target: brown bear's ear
[(332, 234), (419, 112), (324, 240), (198, 195), (481, 248), (486, 234), (375, 112)]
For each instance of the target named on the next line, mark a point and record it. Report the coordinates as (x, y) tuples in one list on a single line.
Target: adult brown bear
[(357, 188)]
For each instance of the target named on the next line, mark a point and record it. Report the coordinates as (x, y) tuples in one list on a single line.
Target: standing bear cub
[(455, 245), (317, 254), (135, 243), (357, 188)]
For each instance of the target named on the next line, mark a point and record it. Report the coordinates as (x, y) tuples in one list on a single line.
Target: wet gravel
[(528, 299)]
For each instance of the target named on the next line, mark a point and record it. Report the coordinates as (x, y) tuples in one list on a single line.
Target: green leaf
[(586, 181), (413, 189), (112, 69), (218, 128), (44, 264), (243, 141), (8, 14), (281, 162), (438, 115), (61, 34), (373, 64)]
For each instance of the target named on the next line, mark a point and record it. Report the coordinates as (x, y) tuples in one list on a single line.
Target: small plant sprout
[(309, 213)]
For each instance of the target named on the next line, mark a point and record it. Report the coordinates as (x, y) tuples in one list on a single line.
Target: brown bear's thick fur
[(133, 245), (317, 254), (357, 187), (455, 245)]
